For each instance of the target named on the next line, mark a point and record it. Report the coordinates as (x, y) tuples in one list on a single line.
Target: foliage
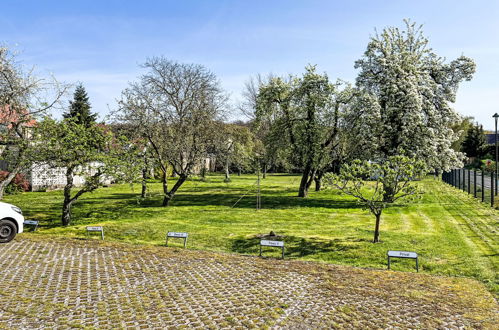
[(461, 128), (303, 114), (407, 89), (68, 143), (137, 154), (89, 151), (389, 181), (488, 165), (18, 184), (24, 98), (267, 155), (79, 108), (234, 147), (474, 143)]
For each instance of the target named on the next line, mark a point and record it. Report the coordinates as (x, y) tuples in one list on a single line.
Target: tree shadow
[(275, 200), (295, 246)]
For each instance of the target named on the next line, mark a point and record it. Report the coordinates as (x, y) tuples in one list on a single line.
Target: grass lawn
[(453, 233)]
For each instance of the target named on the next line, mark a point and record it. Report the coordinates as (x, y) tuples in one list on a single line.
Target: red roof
[(9, 116)]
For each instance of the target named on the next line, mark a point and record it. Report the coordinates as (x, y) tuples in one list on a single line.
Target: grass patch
[(453, 233)]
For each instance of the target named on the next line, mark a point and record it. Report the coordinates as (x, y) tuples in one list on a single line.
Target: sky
[(102, 43)]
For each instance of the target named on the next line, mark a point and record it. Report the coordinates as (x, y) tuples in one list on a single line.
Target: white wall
[(41, 176)]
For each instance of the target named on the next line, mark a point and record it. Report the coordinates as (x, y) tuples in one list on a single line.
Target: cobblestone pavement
[(90, 284)]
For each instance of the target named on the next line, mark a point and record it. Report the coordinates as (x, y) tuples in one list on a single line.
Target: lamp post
[(495, 138)]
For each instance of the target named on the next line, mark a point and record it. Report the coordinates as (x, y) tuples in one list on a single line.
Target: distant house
[(490, 137), (9, 118)]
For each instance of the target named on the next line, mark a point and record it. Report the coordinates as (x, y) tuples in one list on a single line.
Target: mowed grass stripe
[(427, 222), (481, 260), (483, 219), (478, 219)]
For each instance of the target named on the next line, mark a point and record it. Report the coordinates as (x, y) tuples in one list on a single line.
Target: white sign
[(272, 243), (95, 228), (402, 254), (30, 222), (174, 234)]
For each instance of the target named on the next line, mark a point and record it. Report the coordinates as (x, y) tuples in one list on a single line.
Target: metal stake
[(469, 181), (483, 186), (474, 183), (258, 192), (492, 179), (495, 117)]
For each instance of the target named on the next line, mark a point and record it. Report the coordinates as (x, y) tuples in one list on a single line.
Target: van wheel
[(8, 231)]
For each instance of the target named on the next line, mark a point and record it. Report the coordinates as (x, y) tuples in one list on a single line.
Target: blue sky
[(102, 43)]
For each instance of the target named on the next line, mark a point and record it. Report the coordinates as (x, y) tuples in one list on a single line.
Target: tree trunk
[(66, 213), (144, 183), (227, 174), (310, 179), (318, 181), (264, 170), (169, 195), (304, 183), (317, 184), (12, 173), (376, 229), (8, 180), (238, 171), (164, 182), (66, 206), (389, 194)]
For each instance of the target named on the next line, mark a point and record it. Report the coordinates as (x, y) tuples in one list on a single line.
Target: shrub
[(18, 184)]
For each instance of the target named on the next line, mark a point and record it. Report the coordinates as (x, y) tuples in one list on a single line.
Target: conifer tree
[(79, 108), (474, 144)]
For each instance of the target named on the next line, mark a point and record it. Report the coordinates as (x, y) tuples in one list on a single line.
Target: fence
[(481, 184)]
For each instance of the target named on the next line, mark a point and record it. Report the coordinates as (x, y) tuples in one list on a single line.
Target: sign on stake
[(403, 254), (173, 234), (278, 244), (96, 229), (31, 223)]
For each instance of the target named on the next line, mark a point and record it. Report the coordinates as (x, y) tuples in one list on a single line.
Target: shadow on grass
[(277, 200), (116, 205), (83, 212), (295, 247)]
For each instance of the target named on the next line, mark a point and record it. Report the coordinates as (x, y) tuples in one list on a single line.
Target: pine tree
[(79, 108), (474, 144)]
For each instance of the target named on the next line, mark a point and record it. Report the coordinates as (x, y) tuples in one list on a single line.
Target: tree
[(80, 150), (474, 143), (390, 181), (235, 147), (304, 115), (137, 155), (79, 108), (461, 129), (408, 89), (24, 98), (266, 156), (175, 107)]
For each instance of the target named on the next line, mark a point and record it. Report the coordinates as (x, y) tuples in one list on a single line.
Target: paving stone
[(67, 284)]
